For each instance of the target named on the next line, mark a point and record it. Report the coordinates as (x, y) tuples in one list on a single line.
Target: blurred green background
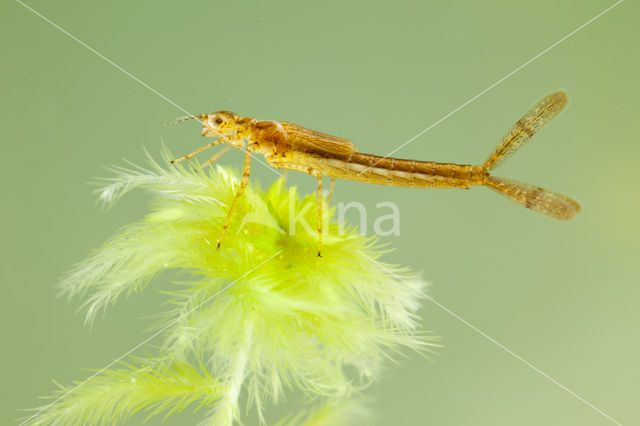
[(562, 295)]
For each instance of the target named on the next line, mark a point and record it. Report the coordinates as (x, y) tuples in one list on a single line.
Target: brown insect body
[(289, 146), (394, 171), (287, 143)]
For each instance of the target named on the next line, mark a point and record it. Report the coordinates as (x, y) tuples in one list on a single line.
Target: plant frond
[(114, 395), (263, 312)]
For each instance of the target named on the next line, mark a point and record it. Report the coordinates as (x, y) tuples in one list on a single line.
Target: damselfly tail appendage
[(535, 198), (543, 201)]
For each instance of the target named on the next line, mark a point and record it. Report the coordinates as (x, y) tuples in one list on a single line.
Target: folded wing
[(308, 140)]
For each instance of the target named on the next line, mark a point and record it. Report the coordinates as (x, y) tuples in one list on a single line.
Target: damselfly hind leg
[(319, 176), (331, 186)]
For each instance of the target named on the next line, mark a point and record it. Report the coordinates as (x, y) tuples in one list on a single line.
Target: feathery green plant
[(262, 315)]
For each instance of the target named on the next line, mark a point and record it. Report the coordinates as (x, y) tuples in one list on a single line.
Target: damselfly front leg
[(199, 150), (317, 174)]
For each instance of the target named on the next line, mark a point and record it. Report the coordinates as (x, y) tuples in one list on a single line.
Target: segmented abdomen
[(398, 172)]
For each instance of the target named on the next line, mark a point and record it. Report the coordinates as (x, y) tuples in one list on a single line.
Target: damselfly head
[(218, 124)]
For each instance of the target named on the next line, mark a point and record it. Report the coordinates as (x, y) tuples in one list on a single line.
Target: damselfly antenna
[(187, 118)]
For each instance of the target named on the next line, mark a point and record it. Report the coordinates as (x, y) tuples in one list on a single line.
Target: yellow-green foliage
[(112, 396), (263, 314)]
